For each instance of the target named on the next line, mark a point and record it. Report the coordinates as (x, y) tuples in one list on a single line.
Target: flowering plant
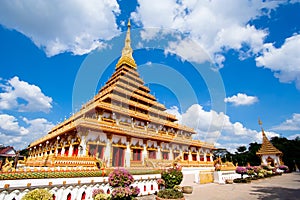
[(120, 178), (42, 194), (172, 176), (160, 181), (121, 193), (283, 167), (134, 191), (102, 196), (97, 191), (241, 170), (257, 169)]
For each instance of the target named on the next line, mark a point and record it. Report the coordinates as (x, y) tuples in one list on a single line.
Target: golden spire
[(262, 130), (126, 57), (266, 146)]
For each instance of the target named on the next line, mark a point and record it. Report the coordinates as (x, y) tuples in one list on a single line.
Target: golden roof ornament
[(126, 57), (267, 147)]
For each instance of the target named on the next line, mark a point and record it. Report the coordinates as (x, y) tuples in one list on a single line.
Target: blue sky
[(217, 67)]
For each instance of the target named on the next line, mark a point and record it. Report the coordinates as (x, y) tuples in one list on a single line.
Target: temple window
[(96, 150), (118, 157), (201, 157), (75, 150), (208, 158), (66, 151), (137, 154), (185, 156), (165, 155), (152, 154), (194, 157)]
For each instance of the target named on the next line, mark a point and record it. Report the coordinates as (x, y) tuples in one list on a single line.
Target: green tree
[(290, 150)]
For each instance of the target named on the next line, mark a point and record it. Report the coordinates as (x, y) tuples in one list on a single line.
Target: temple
[(269, 154), (123, 125)]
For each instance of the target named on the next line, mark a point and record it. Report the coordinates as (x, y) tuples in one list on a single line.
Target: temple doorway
[(118, 157), (270, 161)]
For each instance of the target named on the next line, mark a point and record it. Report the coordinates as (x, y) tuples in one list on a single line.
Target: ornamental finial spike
[(259, 122), (127, 50)]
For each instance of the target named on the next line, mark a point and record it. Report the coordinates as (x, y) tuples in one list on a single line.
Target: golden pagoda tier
[(269, 154), (122, 125)]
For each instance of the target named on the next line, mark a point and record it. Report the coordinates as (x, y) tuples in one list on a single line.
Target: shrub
[(97, 191), (102, 196), (120, 178), (172, 177), (241, 171), (170, 194), (121, 193), (38, 194)]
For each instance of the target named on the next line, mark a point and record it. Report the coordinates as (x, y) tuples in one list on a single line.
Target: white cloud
[(292, 124), (37, 128), (284, 61), (188, 50), (214, 26), (241, 99), (214, 127), (10, 124), (292, 137), (19, 137), (33, 99), (58, 26)]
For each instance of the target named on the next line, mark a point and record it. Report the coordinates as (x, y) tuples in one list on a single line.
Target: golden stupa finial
[(259, 122), (126, 57), (262, 130)]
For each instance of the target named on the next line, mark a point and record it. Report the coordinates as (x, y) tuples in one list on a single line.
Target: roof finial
[(262, 130), (127, 50)]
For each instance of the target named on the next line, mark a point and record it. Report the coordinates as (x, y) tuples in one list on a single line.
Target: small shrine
[(269, 154)]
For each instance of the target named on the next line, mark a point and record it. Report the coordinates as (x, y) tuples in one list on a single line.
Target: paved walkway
[(284, 187)]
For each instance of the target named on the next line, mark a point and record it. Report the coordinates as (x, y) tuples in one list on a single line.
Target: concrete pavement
[(283, 187), (286, 186)]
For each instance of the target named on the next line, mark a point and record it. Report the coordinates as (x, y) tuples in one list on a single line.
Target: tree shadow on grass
[(267, 193)]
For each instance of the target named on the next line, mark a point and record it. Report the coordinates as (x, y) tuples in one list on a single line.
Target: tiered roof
[(125, 96), (267, 147)]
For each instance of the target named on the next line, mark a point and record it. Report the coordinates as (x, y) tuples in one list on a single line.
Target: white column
[(107, 152), (127, 155), (62, 151), (205, 157), (158, 156), (198, 156), (190, 156), (144, 153), (70, 150), (171, 156)]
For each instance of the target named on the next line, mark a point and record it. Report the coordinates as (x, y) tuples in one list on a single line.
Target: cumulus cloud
[(59, 26), (217, 128), (292, 124), (284, 61), (24, 97), (241, 99), (213, 26), (13, 134), (293, 137), (10, 124)]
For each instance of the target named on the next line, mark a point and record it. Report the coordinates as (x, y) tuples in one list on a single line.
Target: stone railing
[(76, 188), (221, 176)]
